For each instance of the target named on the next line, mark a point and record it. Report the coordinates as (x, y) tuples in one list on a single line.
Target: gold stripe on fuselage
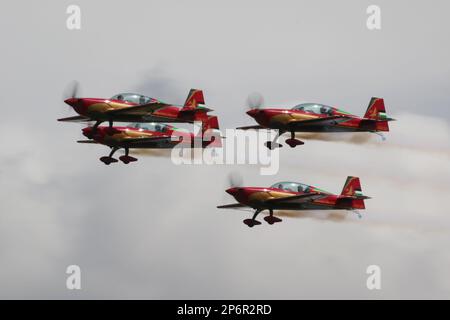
[(285, 118), (127, 134), (102, 107), (266, 195)]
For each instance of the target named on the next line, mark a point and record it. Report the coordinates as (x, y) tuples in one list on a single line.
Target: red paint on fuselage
[(264, 117), (105, 135), (89, 107), (83, 105), (243, 195)]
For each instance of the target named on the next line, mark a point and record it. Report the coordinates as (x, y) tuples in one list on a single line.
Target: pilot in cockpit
[(326, 110)]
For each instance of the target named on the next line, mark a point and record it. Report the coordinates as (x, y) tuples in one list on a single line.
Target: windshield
[(315, 108), (151, 126), (292, 186), (133, 98)]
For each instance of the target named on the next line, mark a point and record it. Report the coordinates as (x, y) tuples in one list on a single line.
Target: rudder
[(194, 98), (377, 111), (351, 195), (352, 187)]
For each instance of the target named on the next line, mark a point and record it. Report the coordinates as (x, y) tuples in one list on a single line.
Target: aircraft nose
[(252, 113), (232, 191), (71, 101), (87, 132)]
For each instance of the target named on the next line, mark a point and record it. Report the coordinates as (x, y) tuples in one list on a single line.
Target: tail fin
[(212, 122), (377, 111), (352, 187), (351, 195), (208, 122), (214, 137), (194, 98)]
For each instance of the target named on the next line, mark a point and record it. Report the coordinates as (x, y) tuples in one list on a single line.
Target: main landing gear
[(292, 142), (270, 219), (99, 122), (274, 144), (125, 159)]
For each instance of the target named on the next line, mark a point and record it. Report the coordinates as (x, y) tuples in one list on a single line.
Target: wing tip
[(74, 119)]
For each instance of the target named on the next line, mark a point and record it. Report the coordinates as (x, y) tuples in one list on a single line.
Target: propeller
[(71, 90), (235, 180), (255, 101)]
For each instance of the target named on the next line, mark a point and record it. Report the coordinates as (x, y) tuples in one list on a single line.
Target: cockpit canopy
[(292, 186), (151, 126), (133, 98), (315, 108)]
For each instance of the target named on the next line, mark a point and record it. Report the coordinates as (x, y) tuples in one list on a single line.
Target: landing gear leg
[(97, 123), (109, 159), (274, 144), (94, 128), (253, 222), (126, 158), (292, 142), (110, 127), (270, 219)]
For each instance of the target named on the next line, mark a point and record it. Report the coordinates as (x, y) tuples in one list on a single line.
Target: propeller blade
[(71, 90), (255, 101), (235, 179)]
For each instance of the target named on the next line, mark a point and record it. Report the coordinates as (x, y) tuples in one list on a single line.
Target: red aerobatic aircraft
[(294, 196), (150, 136), (131, 107), (315, 117)]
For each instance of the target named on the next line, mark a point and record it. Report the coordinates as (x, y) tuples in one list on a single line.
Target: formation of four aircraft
[(150, 128)]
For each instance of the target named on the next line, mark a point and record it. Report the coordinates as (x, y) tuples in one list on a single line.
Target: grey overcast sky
[(150, 230)]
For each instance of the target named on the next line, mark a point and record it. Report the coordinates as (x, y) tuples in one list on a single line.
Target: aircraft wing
[(75, 119), (143, 140), (251, 127), (232, 206), (302, 198), (87, 141), (143, 109), (319, 121)]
